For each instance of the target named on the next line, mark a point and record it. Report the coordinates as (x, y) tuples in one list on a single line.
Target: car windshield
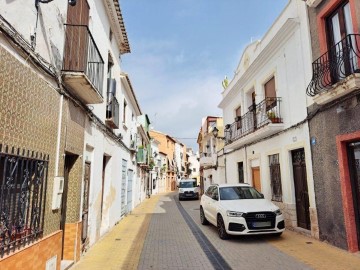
[(238, 193), (187, 184)]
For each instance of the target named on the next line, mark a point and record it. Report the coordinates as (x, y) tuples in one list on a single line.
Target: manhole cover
[(117, 239)]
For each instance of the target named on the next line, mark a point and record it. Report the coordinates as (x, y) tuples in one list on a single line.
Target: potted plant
[(273, 117)]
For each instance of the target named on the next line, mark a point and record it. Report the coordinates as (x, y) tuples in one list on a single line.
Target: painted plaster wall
[(97, 145), (49, 33)]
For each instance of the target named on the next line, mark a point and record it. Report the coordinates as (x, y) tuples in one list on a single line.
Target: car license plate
[(188, 195), (261, 224)]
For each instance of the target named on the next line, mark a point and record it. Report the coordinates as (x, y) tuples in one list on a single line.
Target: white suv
[(238, 210)]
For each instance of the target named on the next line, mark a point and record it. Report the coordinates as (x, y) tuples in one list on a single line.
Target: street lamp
[(216, 134)]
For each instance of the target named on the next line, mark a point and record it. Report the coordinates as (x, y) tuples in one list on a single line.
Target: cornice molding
[(271, 48), (124, 77), (117, 25)]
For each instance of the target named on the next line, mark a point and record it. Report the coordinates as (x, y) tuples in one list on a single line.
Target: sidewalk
[(314, 253), (121, 247)]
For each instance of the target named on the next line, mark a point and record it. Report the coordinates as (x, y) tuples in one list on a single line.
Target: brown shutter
[(270, 88), (76, 40)]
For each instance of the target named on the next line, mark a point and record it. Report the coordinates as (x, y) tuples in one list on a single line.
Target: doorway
[(129, 190), (301, 188), (85, 208), (354, 169), (256, 178), (68, 165)]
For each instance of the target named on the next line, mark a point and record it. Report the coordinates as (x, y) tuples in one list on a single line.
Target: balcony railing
[(335, 65), (112, 113), (82, 55), (264, 113)]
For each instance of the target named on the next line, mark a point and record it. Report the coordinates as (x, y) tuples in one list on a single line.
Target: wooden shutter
[(76, 40), (270, 94)]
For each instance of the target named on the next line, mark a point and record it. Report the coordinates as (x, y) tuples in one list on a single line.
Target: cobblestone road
[(170, 244), (163, 233)]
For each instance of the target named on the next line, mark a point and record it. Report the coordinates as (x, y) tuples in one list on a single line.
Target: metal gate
[(129, 191), (123, 187)]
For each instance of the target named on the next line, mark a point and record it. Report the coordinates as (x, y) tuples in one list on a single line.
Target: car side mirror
[(215, 197), (198, 185), (262, 196)]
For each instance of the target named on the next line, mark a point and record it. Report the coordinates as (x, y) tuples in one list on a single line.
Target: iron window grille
[(23, 184), (275, 178)]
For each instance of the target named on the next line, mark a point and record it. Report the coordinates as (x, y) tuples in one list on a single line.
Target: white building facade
[(267, 141)]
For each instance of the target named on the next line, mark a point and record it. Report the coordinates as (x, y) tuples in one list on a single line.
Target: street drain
[(308, 243), (117, 239)]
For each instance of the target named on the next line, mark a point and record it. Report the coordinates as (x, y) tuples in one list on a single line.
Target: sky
[(181, 50)]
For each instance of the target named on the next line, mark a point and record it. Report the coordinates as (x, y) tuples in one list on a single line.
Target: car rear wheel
[(221, 228), (203, 219)]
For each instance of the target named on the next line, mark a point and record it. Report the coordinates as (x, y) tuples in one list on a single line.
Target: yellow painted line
[(314, 253), (121, 247)]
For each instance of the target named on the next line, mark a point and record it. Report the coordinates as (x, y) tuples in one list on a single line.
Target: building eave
[(130, 91), (117, 25)]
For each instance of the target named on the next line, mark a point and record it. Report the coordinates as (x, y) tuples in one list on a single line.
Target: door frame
[(69, 160), (346, 190)]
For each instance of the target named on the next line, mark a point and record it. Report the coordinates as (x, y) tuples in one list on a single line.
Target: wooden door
[(256, 178), (76, 39), (69, 162), (85, 210), (301, 188), (354, 169)]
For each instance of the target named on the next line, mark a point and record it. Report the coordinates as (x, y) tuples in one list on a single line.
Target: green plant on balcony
[(273, 117)]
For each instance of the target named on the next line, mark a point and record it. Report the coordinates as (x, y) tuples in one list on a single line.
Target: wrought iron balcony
[(335, 65), (112, 113), (265, 113), (83, 66)]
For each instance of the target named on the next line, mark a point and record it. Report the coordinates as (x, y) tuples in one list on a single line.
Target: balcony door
[(341, 54), (75, 57)]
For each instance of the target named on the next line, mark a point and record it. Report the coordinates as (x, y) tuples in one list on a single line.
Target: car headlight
[(234, 214), (181, 190), (278, 212)]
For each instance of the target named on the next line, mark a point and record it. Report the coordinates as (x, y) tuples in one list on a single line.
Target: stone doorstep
[(66, 264)]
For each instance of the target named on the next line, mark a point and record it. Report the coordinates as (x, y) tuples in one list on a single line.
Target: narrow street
[(163, 233)]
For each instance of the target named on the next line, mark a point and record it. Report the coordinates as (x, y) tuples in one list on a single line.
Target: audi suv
[(240, 210)]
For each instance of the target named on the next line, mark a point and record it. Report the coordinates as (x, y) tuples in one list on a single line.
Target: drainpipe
[(57, 157)]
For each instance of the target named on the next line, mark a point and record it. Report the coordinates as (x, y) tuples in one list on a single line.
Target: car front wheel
[(203, 219), (221, 228)]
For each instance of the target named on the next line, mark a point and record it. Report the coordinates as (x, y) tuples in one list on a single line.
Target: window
[(194, 169), (110, 34), (275, 178), (238, 117), (124, 112), (239, 193), (23, 180), (339, 24), (209, 191), (270, 93), (241, 172)]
